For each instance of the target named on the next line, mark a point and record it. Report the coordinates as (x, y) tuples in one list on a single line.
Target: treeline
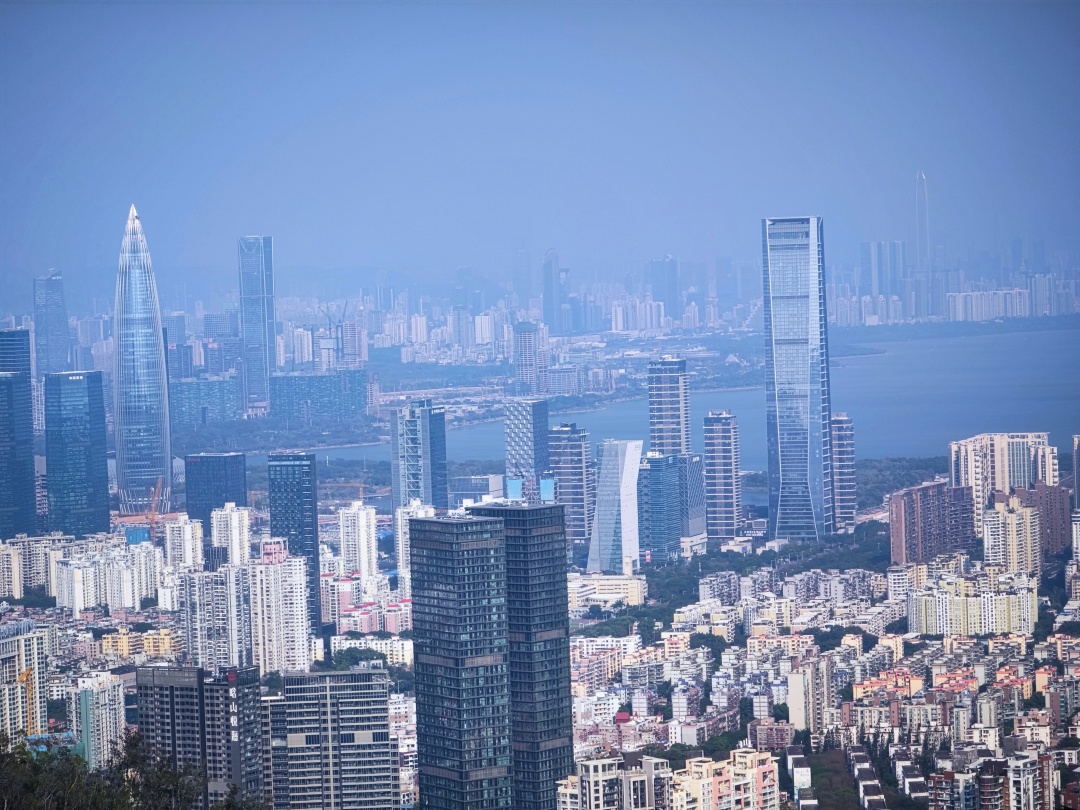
[(877, 477)]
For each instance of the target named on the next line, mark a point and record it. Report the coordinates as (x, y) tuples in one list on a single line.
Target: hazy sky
[(420, 138)]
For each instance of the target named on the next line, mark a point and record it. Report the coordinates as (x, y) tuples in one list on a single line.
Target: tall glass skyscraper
[(845, 501), (418, 455), (669, 406), (75, 453), (659, 508), (258, 329), (17, 496), (723, 481), (213, 480), (294, 515), (526, 432), (140, 383), (52, 338), (797, 408), (570, 458), (613, 548)]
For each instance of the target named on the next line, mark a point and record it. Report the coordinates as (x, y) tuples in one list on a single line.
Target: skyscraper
[(538, 626), (418, 455), (882, 268), (140, 382), (797, 404), (360, 544), (258, 329), (52, 337), (462, 679), (230, 531), (215, 617), (928, 520), (553, 279), (526, 431), (923, 251), (76, 456), (613, 547), (15, 354), (402, 543), (294, 516), (662, 279), (17, 496), (845, 497), (213, 480), (1011, 536), (280, 627), (184, 549), (530, 359), (658, 508), (723, 476), (669, 406), (570, 458), (96, 712)]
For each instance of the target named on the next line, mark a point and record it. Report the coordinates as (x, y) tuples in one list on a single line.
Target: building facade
[(526, 431), (294, 516), (723, 476), (52, 335), (418, 455), (570, 456), (213, 480), (669, 406), (613, 547), (18, 513), (402, 542), (845, 497), (258, 328), (659, 509), (929, 520)]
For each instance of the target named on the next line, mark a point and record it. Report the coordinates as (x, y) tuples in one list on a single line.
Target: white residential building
[(231, 530), (96, 712), (184, 543), (279, 614), (215, 617), (360, 545), (415, 509)]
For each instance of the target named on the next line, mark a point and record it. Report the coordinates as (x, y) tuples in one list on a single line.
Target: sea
[(907, 398)]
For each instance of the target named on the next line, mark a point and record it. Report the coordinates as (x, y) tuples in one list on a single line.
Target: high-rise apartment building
[(571, 462), (1011, 536), (418, 455), (23, 671), (723, 476), (52, 335), (530, 359), (1076, 471), (258, 328), (538, 627), (140, 382), (526, 432), (659, 509), (183, 543), (96, 712), (929, 520), (207, 721), (215, 617), (230, 531), (669, 406), (613, 547), (845, 499), (797, 405), (403, 545), (999, 462), (17, 498), (213, 480), (462, 679), (1052, 505), (76, 455), (280, 627), (662, 279), (294, 516), (810, 694), (360, 544), (327, 741)]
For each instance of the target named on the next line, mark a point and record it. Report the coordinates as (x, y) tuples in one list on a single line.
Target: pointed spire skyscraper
[(143, 442)]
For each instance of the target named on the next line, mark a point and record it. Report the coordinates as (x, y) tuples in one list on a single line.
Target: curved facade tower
[(141, 415)]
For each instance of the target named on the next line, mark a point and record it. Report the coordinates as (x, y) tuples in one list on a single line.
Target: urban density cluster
[(601, 624)]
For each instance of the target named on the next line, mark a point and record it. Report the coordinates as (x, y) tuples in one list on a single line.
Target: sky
[(419, 138)]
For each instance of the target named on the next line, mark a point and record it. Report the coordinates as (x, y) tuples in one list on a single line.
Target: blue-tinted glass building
[(52, 337), (17, 495), (76, 462), (140, 381), (211, 481), (258, 330), (294, 515), (659, 504), (418, 455), (797, 404)]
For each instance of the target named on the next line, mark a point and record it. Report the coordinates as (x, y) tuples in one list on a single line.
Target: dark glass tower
[(659, 509), (294, 515), (662, 277), (418, 455), (462, 672), (797, 405), (538, 624), (571, 460), (75, 453), (258, 329), (17, 494), (52, 338), (140, 381), (213, 480), (15, 351)]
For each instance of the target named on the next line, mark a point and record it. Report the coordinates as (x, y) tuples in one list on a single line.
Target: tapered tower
[(141, 415)]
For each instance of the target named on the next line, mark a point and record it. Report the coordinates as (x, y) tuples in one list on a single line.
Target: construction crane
[(336, 332), (26, 681)]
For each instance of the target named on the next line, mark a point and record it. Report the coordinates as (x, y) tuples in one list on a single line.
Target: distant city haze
[(421, 139)]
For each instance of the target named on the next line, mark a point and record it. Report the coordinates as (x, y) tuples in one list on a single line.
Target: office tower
[(538, 626), (723, 476), (360, 544), (213, 480), (530, 359), (659, 512), (662, 279), (999, 462), (570, 459), (613, 547), (553, 279), (140, 382), (208, 722), (929, 520), (18, 513), (96, 713), (52, 337), (230, 529), (15, 354), (883, 267), (1052, 506), (402, 544), (23, 671), (797, 405), (183, 543), (215, 617), (692, 494), (526, 431), (327, 741), (175, 325), (922, 226), (280, 627), (462, 679), (1076, 471), (418, 454), (845, 501), (669, 406), (294, 516), (76, 456), (1011, 536), (258, 328)]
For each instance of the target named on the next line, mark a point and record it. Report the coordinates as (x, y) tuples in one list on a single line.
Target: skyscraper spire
[(143, 442)]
